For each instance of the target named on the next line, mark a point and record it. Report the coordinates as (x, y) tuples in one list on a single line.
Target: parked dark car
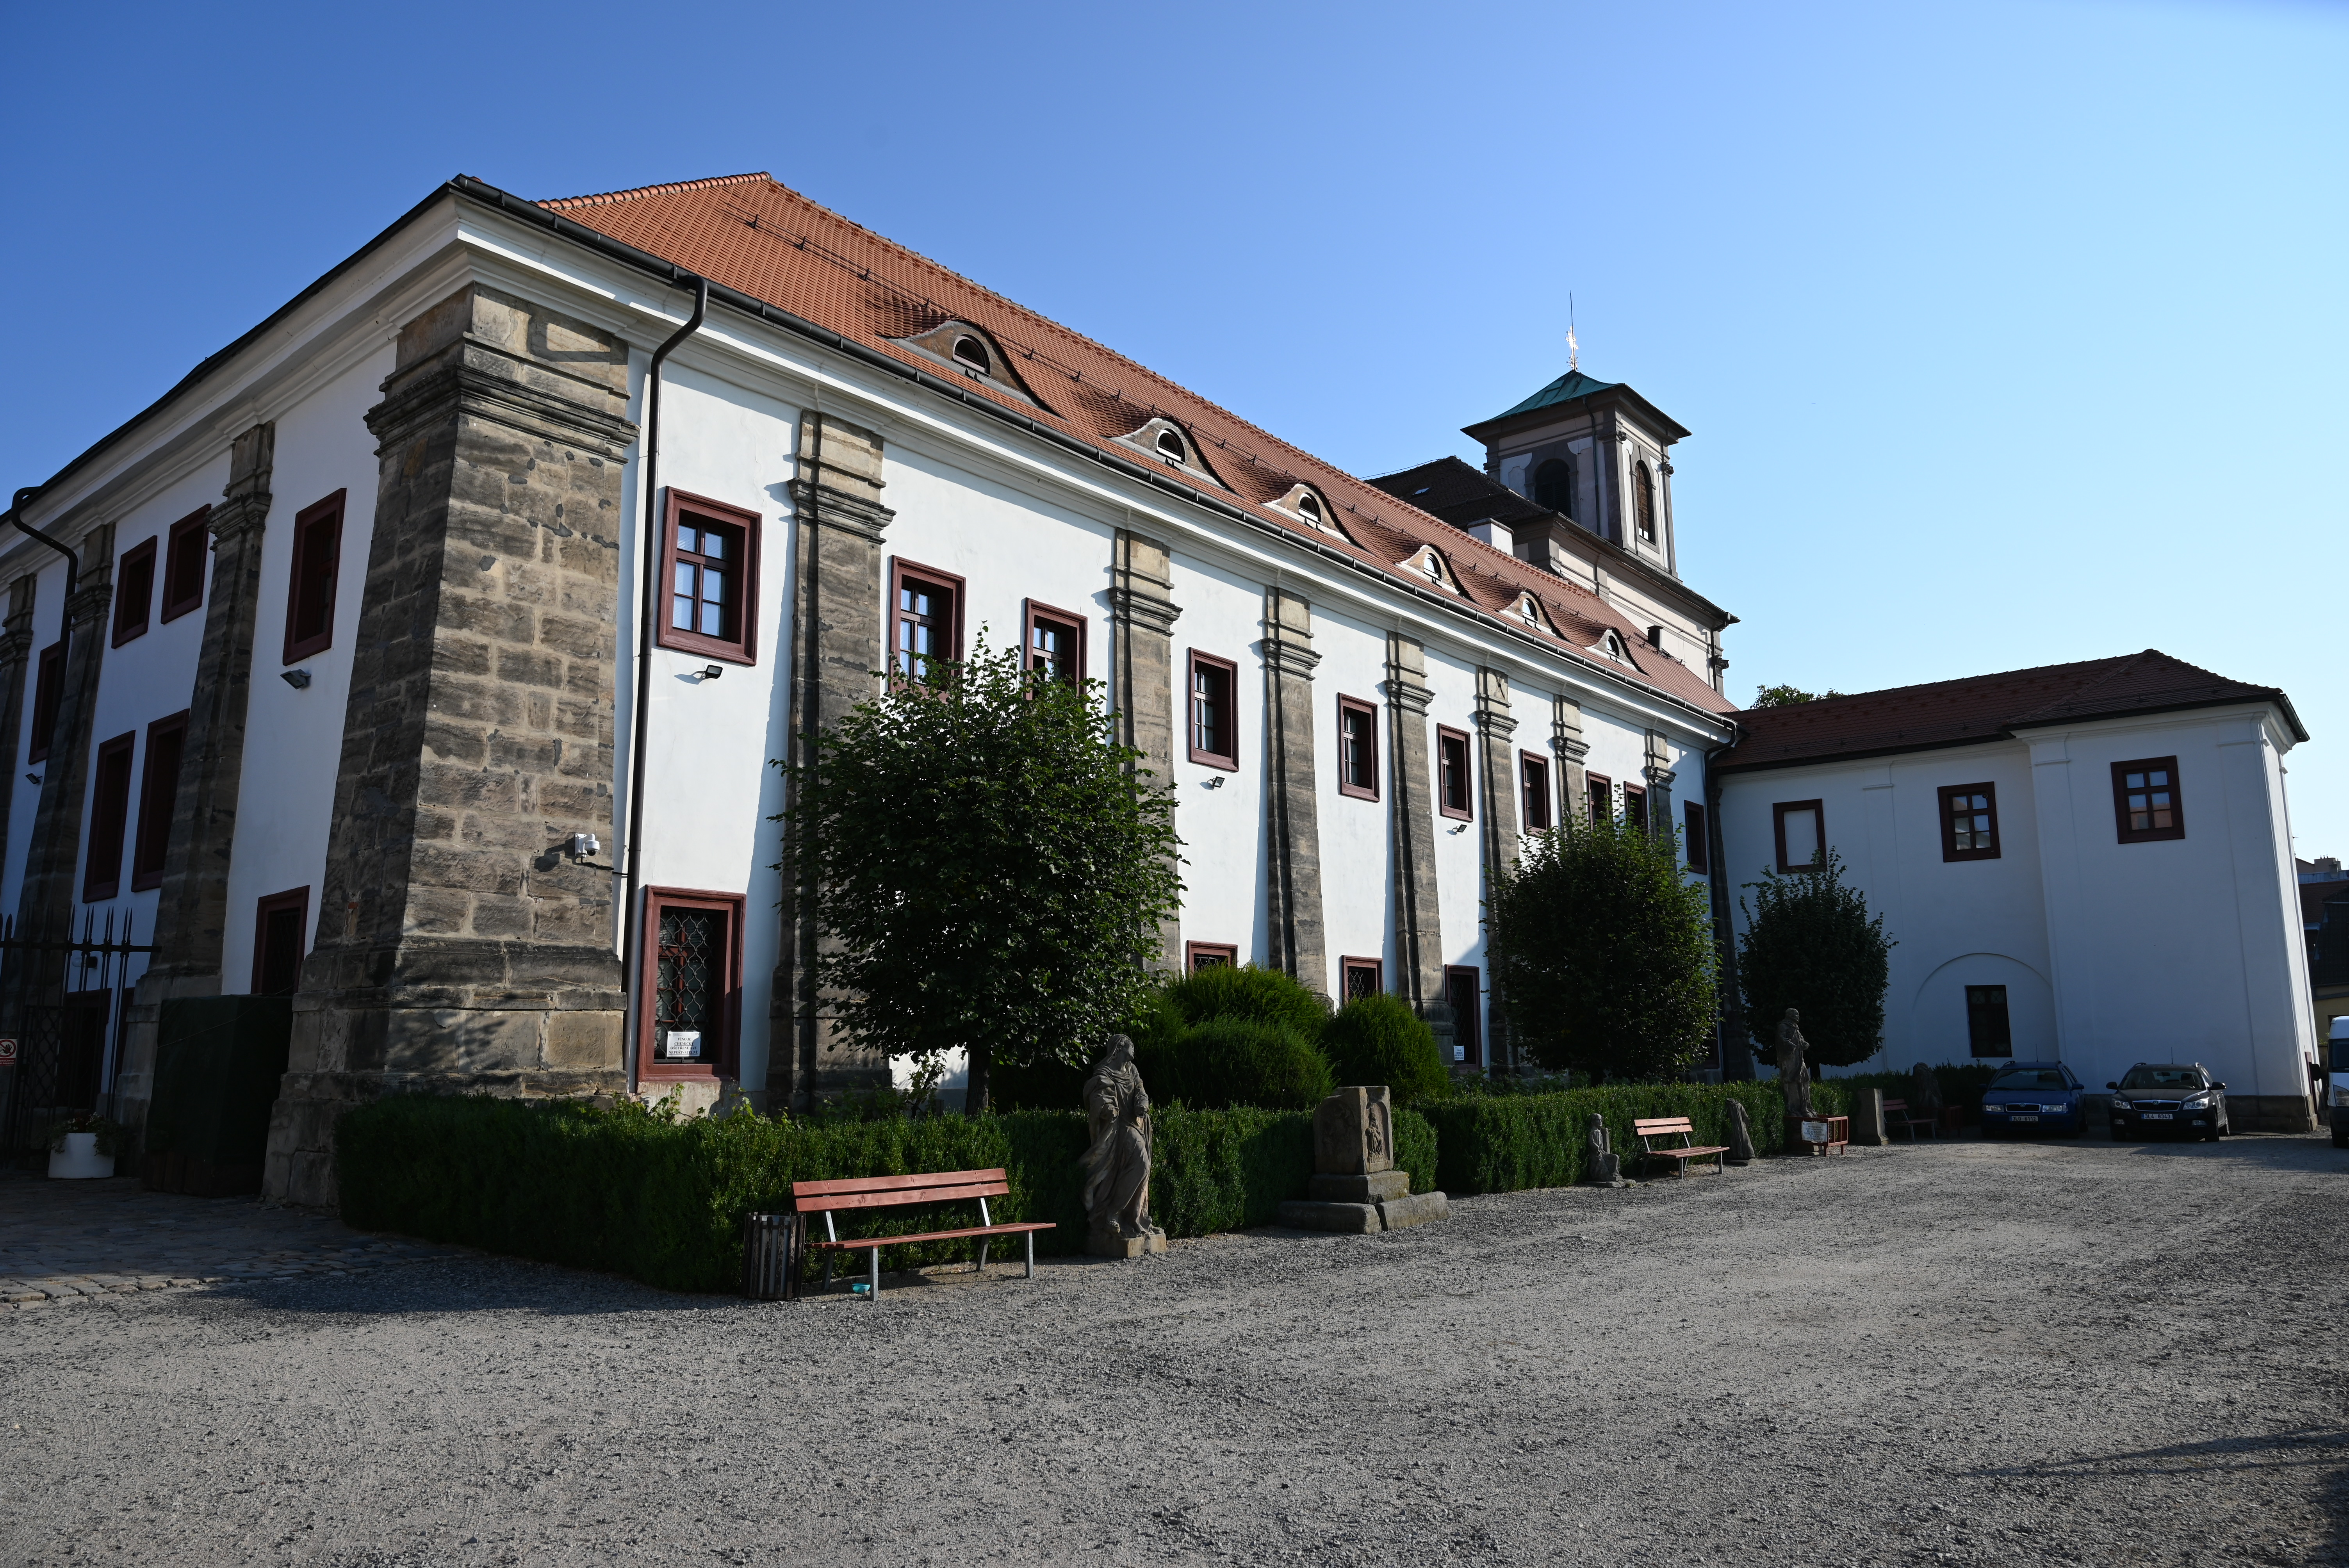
[(2157, 1099), (2034, 1097)]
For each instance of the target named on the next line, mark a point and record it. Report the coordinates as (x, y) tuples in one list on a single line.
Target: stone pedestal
[(1867, 1118), (1355, 1188), (1110, 1244)]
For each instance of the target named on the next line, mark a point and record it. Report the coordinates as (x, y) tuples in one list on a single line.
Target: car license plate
[(2157, 1116), (2021, 1118)]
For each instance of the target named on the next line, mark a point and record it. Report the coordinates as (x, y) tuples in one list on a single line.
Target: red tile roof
[(751, 234), (1983, 707)]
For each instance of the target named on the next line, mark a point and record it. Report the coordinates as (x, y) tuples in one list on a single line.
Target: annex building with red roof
[(2088, 862), (430, 646)]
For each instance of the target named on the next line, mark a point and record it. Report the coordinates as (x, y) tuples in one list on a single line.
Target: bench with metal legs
[(828, 1198)]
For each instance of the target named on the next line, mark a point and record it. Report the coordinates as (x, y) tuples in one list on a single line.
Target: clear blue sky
[(2009, 334)]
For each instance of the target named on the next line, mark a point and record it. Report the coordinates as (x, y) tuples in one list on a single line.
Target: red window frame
[(48, 690), (1361, 978), (1366, 736), (1034, 614), (739, 644), (1598, 794), (1209, 954), (1455, 774), (184, 567), (1955, 802), (316, 575), (109, 817), (1465, 982), (1635, 806), (1989, 1027), (298, 901), (724, 1061), (1696, 847), (1227, 674), (1779, 812), (134, 591), (1533, 793), (2144, 765), (906, 625), (158, 799)]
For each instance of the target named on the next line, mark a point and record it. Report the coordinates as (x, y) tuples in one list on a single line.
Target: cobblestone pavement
[(65, 1241)]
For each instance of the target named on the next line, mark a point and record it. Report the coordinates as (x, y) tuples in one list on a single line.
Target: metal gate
[(62, 998)]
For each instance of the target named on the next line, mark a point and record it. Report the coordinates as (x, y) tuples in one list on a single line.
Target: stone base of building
[(2269, 1113)]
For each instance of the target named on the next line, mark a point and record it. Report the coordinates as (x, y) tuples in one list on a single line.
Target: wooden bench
[(1652, 1128), (1896, 1114), (828, 1198)]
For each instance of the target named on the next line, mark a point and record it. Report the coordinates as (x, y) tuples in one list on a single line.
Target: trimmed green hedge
[(1503, 1143), (625, 1191)]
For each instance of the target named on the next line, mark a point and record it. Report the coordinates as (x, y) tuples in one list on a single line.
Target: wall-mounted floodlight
[(298, 680), (712, 671)]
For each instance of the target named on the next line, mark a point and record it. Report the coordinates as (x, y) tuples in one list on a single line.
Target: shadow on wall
[(1984, 991)]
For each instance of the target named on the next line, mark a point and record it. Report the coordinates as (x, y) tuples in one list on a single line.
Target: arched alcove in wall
[(1936, 1029)]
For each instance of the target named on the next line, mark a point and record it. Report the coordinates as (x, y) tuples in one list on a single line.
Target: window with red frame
[(1454, 785), (2146, 801), (925, 621), (1635, 807), (693, 978), (1968, 822), (1695, 844), (710, 562), (1210, 955), (1464, 987), (49, 687), (1799, 829), (1357, 749), (110, 812), (317, 562), (1055, 641), (159, 797), (1601, 792), (186, 559), (134, 591), (281, 930), (1361, 978), (1533, 784), (1215, 718)]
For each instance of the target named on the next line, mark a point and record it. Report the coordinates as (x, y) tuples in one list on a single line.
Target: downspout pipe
[(1737, 1039), (73, 562), (649, 542)]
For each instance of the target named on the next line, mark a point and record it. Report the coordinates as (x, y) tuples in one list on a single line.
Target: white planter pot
[(80, 1160)]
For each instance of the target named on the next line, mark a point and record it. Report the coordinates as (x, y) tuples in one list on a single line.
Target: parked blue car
[(2034, 1097)]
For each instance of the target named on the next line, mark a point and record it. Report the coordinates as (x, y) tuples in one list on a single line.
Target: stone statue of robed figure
[(1794, 1071), (1117, 1165)]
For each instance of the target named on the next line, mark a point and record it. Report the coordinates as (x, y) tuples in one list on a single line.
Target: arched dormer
[(1427, 563), (971, 353), (1528, 612), (1309, 507), (1167, 443)]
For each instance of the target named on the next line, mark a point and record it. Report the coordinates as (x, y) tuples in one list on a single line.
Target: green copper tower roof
[(1574, 384)]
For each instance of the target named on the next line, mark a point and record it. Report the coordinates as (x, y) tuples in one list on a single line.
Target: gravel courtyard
[(2067, 1352)]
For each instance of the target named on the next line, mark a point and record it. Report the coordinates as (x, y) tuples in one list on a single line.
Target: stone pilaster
[(456, 948), (192, 909), (1660, 775), (52, 863), (1143, 607), (836, 649), (1296, 939), (1419, 924), (1499, 819), (16, 656), (1566, 739)]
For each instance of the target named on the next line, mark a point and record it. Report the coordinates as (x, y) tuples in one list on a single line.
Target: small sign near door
[(7, 1053), (682, 1044)]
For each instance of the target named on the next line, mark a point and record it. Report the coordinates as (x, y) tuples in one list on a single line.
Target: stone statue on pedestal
[(1794, 1071), (1604, 1166), (1117, 1165), (1924, 1093), (1741, 1135)]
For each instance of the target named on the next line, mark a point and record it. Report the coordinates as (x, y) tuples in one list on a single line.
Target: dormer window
[(972, 353), (1310, 505), (1430, 565), (1529, 612), (1166, 439), (1170, 446)]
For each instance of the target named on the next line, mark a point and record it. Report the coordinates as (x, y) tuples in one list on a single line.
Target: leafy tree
[(992, 866), (1378, 1039), (1811, 945), (1603, 950), (1787, 696)]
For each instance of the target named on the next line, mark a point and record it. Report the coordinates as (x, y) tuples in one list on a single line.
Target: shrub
[(635, 1192), (1378, 1039), (1811, 945), (1231, 1061), (1246, 991), (1603, 951), (1503, 1143)]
